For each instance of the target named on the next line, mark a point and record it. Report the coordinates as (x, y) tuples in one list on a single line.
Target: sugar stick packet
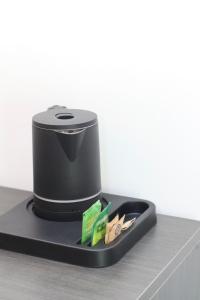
[(115, 227)]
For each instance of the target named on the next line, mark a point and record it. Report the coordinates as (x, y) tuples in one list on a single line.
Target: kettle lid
[(59, 117)]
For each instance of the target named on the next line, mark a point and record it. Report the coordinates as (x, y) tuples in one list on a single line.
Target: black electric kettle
[(66, 162)]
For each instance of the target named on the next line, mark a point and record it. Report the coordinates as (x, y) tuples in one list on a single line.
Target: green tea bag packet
[(99, 227), (89, 218)]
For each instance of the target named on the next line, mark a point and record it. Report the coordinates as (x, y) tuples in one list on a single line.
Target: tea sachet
[(89, 218), (99, 227)]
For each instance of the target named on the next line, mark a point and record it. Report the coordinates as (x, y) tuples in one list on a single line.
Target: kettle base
[(64, 212), (23, 231)]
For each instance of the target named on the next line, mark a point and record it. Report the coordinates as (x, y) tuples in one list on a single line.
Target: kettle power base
[(22, 231)]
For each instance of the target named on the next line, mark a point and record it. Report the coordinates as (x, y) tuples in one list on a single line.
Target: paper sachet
[(115, 227)]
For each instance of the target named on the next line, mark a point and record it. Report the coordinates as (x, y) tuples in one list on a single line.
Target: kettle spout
[(71, 141)]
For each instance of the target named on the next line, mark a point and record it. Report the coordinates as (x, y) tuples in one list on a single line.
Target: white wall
[(135, 63)]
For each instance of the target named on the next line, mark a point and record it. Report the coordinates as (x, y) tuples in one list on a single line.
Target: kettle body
[(66, 163)]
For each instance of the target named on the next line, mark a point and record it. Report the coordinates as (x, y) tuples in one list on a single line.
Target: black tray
[(22, 231)]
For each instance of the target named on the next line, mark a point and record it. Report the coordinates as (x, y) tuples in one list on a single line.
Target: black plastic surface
[(22, 231)]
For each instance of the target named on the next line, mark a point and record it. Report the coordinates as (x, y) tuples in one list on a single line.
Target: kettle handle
[(56, 106)]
